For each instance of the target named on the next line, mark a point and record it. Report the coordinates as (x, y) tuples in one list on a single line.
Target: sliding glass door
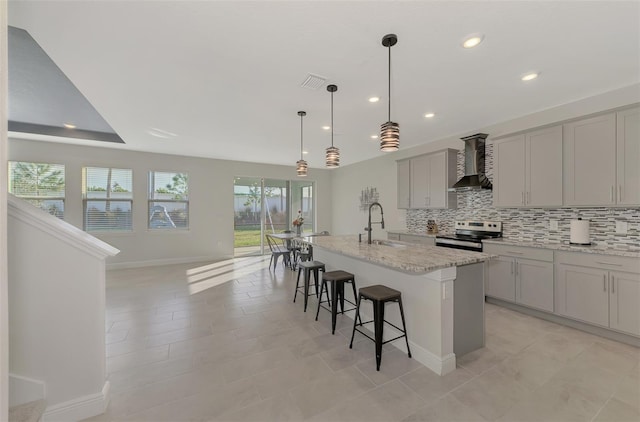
[(263, 206)]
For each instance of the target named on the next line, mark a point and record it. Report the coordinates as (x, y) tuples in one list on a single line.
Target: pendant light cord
[(332, 119), (389, 74), (301, 147)]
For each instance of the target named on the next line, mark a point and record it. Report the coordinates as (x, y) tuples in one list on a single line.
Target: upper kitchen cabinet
[(404, 187), (590, 161), (528, 169), (423, 181), (628, 149)]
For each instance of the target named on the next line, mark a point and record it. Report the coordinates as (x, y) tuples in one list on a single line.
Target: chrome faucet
[(381, 222)]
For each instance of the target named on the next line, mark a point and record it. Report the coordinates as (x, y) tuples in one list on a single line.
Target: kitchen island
[(442, 292)]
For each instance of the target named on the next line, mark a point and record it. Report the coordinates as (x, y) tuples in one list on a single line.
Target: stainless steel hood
[(474, 156)]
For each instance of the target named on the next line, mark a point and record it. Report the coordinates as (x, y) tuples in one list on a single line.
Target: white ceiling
[(225, 76)]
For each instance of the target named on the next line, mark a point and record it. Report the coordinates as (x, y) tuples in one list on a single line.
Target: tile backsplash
[(531, 224)]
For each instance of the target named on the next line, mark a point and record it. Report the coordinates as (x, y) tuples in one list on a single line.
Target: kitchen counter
[(404, 256), (431, 279), (595, 249)]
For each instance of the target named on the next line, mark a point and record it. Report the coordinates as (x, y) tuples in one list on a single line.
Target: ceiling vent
[(313, 81)]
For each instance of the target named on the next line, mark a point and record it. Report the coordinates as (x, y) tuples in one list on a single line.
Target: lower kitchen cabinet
[(592, 289), (525, 281), (582, 293)]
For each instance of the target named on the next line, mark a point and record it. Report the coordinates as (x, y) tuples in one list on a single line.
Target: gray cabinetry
[(628, 162), (589, 154), (601, 290), (521, 275), (404, 176), (423, 181), (413, 238), (528, 169)]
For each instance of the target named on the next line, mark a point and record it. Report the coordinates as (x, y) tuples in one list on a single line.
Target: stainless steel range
[(469, 235)]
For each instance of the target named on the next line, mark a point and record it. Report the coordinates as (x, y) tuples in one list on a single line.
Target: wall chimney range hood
[(474, 155)]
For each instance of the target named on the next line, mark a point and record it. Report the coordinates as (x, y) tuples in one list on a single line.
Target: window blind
[(107, 198), (168, 200), (41, 184)]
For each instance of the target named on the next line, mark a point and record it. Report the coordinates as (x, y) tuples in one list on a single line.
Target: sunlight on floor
[(208, 276)]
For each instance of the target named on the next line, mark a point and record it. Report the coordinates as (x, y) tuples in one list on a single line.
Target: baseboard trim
[(23, 390), (160, 262), (79, 408)]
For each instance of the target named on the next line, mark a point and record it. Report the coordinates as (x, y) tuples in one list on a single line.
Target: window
[(41, 184), (107, 195), (168, 200)]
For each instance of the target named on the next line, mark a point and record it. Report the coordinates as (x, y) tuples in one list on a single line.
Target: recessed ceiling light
[(374, 99), (374, 136), (429, 115), (69, 125), (472, 40), (305, 152), (326, 127), (530, 76), (160, 133)]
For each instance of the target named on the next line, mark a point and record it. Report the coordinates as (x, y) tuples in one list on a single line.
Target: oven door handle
[(445, 242)]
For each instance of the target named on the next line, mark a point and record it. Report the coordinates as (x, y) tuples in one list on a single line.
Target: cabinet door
[(582, 293), (404, 186), (590, 161), (624, 302), (419, 181), (501, 279), (628, 143), (544, 167), (534, 284), (509, 181), (437, 181)]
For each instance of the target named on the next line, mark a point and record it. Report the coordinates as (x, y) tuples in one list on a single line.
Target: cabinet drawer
[(605, 262), (537, 254)]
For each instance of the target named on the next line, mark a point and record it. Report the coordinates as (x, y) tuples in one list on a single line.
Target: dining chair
[(277, 251)]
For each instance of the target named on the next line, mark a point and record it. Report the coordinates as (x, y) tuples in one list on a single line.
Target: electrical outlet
[(622, 227), (553, 225)]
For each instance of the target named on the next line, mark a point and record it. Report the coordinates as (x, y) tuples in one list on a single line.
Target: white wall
[(4, 297), (381, 172), (210, 234)]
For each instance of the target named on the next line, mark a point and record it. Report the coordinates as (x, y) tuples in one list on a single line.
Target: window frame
[(32, 199), (86, 200), (151, 202)]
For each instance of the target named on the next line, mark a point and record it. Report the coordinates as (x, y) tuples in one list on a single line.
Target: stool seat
[(379, 292), (337, 275), (311, 264)]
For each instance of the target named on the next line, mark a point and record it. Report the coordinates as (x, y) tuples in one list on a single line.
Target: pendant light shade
[(333, 153), (301, 165), (389, 131)]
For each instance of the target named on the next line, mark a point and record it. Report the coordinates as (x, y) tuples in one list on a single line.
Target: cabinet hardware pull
[(522, 198), (516, 253), (609, 263), (613, 285), (604, 283), (611, 194), (619, 193), (516, 269), (528, 197), (511, 267)]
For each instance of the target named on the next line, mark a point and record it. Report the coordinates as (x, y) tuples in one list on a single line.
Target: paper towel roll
[(580, 232)]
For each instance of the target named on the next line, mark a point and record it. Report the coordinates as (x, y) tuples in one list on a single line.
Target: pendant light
[(301, 165), (389, 131), (333, 153)]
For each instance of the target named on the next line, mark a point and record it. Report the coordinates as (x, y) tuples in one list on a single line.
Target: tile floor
[(224, 342)]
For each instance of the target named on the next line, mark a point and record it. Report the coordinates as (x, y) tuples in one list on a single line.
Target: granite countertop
[(596, 248), (409, 257)]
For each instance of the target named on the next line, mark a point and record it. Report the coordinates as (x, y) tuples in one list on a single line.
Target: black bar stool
[(337, 280), (307, 267), (379, 295)]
